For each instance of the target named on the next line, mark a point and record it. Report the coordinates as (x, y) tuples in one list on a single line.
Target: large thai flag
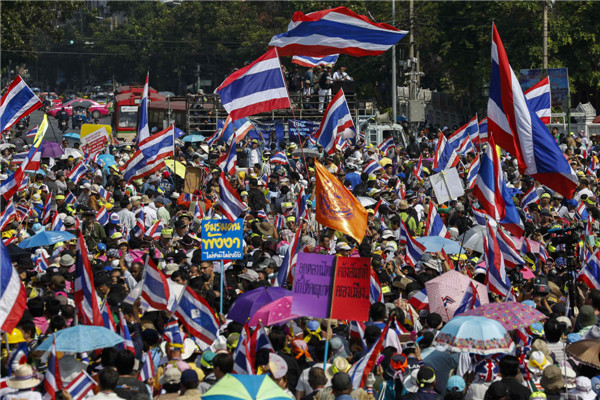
[(518, 130), (17, 102), (52, 380), (285, 273), (336, 119), (590, 273), (473, 171), (530, 196), (86, 299), (124, 331), (77, 172), (470, 300), (335, 31), (462, 140), (371, 167), (496, 278), (361, 369), (414, 249), (228, 160), (155, 289), (229, 200), (137, 167), (256, 88), (158, 146), (279, 158), (311, 62), (13, 297), (197, 316), (387, 145), (492, 193), (445, 155), (434, 225), (143, 128), (33, 164), (79, 387), (539, 99)]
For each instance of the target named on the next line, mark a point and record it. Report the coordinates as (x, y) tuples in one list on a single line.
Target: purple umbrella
[(244, 307), (52, 149)]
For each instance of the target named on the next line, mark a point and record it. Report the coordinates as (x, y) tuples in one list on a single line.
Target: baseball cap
[(456, 384)]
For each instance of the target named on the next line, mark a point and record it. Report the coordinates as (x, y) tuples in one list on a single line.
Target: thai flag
[(279, 221), (336, 119), (335, 31), (371, 167), (33, 164), (420, 301), (511, 255), (105, 194), (462, 140), (57, 224), (590, 273), (46, 211), (473, 171), (361, 369), (530, 196), (311, 62), (543, 253), (150, 156), (492, 193), (288, 264), (124, 331), (197, 316), (86, 299), (140, 225), (496, 278), (155, 289), (539, 99), (32, 132), (13, 297), (518, 130), (341, 144), (154, 230), (414, 249), (375, 292), (41, 262), (434, 225), (279, 158), (14, 182), (143, 128), (259, 340), (582, 211), (198, 211), (22, 211), (172, 333), (187, 197), (357, 331), (70, 198), (262, 214), (147, 371), (52, 381), (242, 364), (480, 216), (400, 189), (77, 172), (80, 386), (387, 145), (230, 130), (8, 214), (300, 205), (17, 102), (470, 300), (107, 317), (445, 155), (102, 216), (229, 200), (228, 160), (265, 179), (256, 88)]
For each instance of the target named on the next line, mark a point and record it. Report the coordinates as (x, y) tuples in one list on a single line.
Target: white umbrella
[(6, 146), (366, 201), (69, 151), (473, 238)]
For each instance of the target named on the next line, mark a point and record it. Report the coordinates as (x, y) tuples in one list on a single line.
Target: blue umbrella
[(193, 138), (107, 160), (46, 238), (72, 136), (433, 244), (82, 338), (477, 335)]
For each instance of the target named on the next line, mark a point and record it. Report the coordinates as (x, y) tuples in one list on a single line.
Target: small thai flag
[(77, 172), (387, 145), (128, 343), (371, 167), (41, 263), (279, 158), (102, 216), (80, 386), (70, 198), (198, 212), (57, 224), (155, 230), (32, 132), (279, 221), (531, 196), (105, 194), (172, 333), (147, 370), (261, 214)]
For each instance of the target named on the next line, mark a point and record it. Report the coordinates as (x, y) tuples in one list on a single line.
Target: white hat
[(410, 382), (23, 378), (250, 275), (172, 375), (583, 388)]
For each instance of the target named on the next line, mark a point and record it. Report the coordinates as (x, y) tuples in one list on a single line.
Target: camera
[(540, 286)]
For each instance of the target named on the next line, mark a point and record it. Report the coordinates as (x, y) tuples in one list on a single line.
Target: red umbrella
[(274, 313)]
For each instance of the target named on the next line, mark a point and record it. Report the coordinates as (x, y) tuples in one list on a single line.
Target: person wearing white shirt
[(341, 75)]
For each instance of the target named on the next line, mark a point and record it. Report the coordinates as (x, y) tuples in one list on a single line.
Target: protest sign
[(94, 137), (222, 239), (300, 129), (193, 179), (447, 185), (312, 285), (351, 289)]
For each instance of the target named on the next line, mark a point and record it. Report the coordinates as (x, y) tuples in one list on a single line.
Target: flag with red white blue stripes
[(52, 380)]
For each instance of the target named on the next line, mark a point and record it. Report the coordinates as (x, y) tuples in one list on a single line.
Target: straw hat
[(339, 364), (23, 378)]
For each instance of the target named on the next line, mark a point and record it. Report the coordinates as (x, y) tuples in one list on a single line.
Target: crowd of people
[(185, 367)]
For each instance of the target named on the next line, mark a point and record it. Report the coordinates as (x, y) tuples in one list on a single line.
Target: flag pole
[(221, 289), (326, 344)]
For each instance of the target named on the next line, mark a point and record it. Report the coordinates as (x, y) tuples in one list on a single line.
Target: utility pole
[(411, 49), (545, 37), (394, 87)]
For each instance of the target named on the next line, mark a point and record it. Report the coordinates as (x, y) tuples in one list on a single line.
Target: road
[(54, 134)]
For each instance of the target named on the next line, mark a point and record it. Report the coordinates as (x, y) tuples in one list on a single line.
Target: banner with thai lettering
[(222, 239), (300, 129), (331, 287)]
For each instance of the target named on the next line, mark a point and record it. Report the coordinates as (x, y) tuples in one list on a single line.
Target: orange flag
[(337, 208)]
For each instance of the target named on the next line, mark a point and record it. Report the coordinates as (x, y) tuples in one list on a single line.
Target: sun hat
[(587, 316), (23, 378), (339, 364), (552, 378), (537, 362), (172, 376), (583, 388)]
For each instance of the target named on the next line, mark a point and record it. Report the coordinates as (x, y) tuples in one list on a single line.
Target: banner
[(221, 239), (94, 137), (331, 287), (301, 129)]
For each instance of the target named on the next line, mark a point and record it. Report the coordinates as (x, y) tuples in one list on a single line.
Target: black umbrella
[(82, 104)]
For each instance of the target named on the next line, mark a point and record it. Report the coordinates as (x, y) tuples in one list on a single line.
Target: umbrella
[(244, 307), (4, 146), (274, 313), (46, 238), (476, 335), (176, 166), (307, 153), (366, 201), (72, 136), (82, 338), (69, 151), (586, 352), (433, 244), (510, 314), (473, 238), (52, 149), (82, 103), (245, 387), (446, 292), (193, 138), (106, 160)]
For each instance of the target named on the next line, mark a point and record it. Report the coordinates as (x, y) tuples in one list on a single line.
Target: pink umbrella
[(276, 312), (445, 293)]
